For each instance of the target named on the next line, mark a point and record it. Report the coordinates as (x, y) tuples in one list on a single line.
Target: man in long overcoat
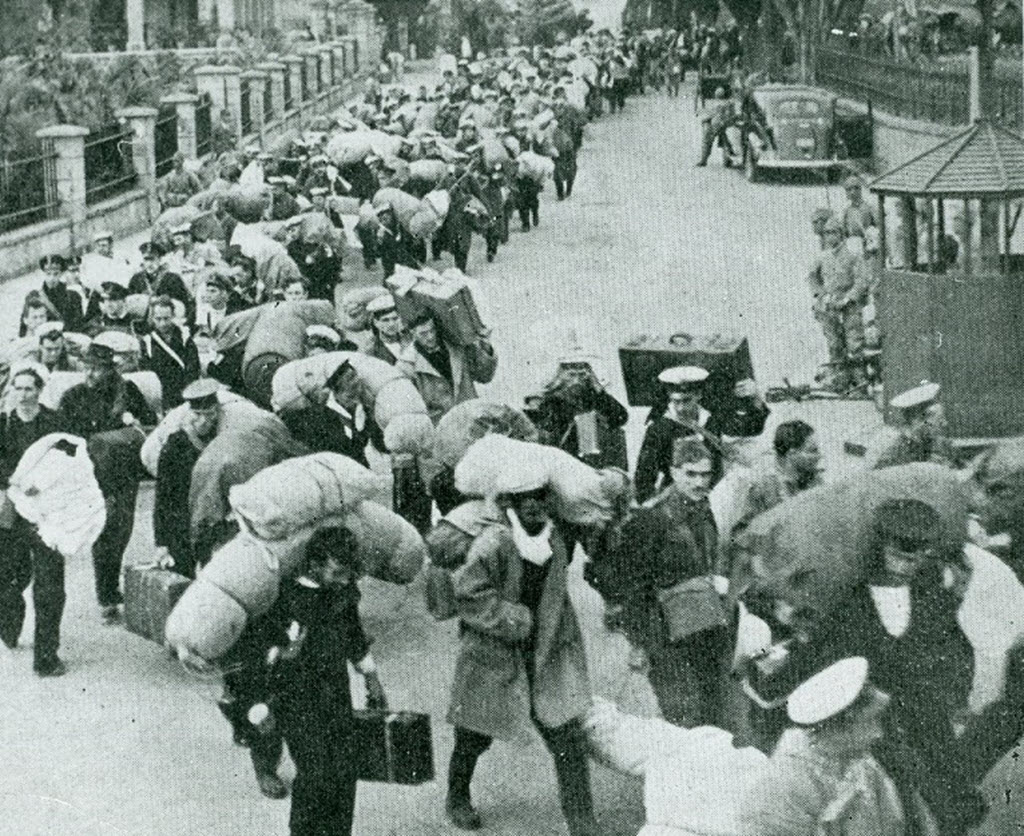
[(521, 661)]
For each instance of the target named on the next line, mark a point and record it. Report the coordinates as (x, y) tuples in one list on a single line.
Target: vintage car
[(791, 126)]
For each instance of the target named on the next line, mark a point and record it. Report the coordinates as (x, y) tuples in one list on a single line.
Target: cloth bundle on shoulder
[(536, 166), (494, 153), (813, 547), (294, 494), (276, 337), (469, 421), (171, 218), (350, 147), (206, 622), (246, 205), (389, 547), (404, 204), (581, 494), (387, 395), (237, 414), (59, 383), (429, 171), (448, 545), (431, 214), (54, 487), (231, 459)]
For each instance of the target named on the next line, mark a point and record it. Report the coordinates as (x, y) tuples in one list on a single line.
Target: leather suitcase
[(393, 747), (448, 299), (149, 596), (726, 357)]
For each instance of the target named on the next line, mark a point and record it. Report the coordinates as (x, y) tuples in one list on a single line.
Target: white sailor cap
[(102, 235), (324, 332), (182, 229), (380, 304), (924, 393), (683, 376), (48, 329), (828, 692)]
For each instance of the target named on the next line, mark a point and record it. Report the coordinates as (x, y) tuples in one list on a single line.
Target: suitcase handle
[(681, 339)]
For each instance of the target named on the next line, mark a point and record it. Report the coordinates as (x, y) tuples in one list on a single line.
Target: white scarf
[(535, 548), (893, 606)]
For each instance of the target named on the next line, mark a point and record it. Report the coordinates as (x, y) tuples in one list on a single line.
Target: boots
[(469, 746)]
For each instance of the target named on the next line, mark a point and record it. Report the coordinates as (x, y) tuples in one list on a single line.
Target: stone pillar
[(275, 71), (338, 49), (226, 15), (351, 44), (68, 143), (257, 82), (224, 85), (294, 64), (312, 59), (135, 18), (326, 55), (185, 106), (143, 124)]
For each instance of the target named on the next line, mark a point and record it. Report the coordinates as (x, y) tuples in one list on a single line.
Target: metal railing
[(204, 125), (304, 75), (28, 189), (931, 93), (165, 139), (245, 108), (268, 102), (109, 167)]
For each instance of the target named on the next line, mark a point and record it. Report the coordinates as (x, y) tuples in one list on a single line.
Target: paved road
[(128, 743)]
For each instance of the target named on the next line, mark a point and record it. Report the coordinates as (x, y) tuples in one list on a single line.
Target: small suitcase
[(149, 596), (393, 746), (448, 298), (643, 358)]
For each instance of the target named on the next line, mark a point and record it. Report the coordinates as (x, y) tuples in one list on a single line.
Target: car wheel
[(750, 167)]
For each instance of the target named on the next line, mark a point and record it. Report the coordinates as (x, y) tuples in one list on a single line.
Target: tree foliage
[(545, 22)]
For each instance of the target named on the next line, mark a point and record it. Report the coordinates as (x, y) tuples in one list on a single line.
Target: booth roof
[(986, 160)]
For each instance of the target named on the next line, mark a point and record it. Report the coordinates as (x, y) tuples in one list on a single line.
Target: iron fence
[(245, 109), (304, 75), (109, 167), (268, 102), (166, 139), (28, 189), (931, 93), (204, 125)]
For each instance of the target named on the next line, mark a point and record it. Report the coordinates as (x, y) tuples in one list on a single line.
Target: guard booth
[(951, 295)]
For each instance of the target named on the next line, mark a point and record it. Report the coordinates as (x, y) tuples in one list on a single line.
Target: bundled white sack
[(536, 166), (59, 382), (54, 487), (389, 547), (284, 498)]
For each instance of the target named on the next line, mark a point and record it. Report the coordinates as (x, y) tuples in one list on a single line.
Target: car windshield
[(798, 108)]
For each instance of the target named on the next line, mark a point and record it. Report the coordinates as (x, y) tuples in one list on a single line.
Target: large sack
[(55, 489), (59, 382), (494, 153), (581, 494), (206, 622), (246, 572), (231, 459), (282, 499), (235, 328), (813, 548), (277, 337), (411, 433), (349, 148), (237, 414), (430, 215), (171, 218), (396, 397), (470, 421), (316, 228), (246, 205), (429, 171), (390, 548), (536, 166), (404, 204), (353, 313)]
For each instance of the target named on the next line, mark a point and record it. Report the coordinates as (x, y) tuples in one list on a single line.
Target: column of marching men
[(842, 669)]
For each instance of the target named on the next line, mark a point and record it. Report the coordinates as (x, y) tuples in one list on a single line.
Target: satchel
[(440, 593), (690, 607), (392, 747)]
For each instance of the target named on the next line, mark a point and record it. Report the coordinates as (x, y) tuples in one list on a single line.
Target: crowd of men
[(666, 567)]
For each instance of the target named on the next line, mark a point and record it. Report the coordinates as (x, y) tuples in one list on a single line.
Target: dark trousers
[(567, 745), (711, 133), (324, 791), (108, 551), (565, 176), (686, 678), (25, 559), (528, 202)]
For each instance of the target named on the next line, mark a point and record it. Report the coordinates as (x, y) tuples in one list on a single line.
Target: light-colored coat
[(470, 365), (491, 694)]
